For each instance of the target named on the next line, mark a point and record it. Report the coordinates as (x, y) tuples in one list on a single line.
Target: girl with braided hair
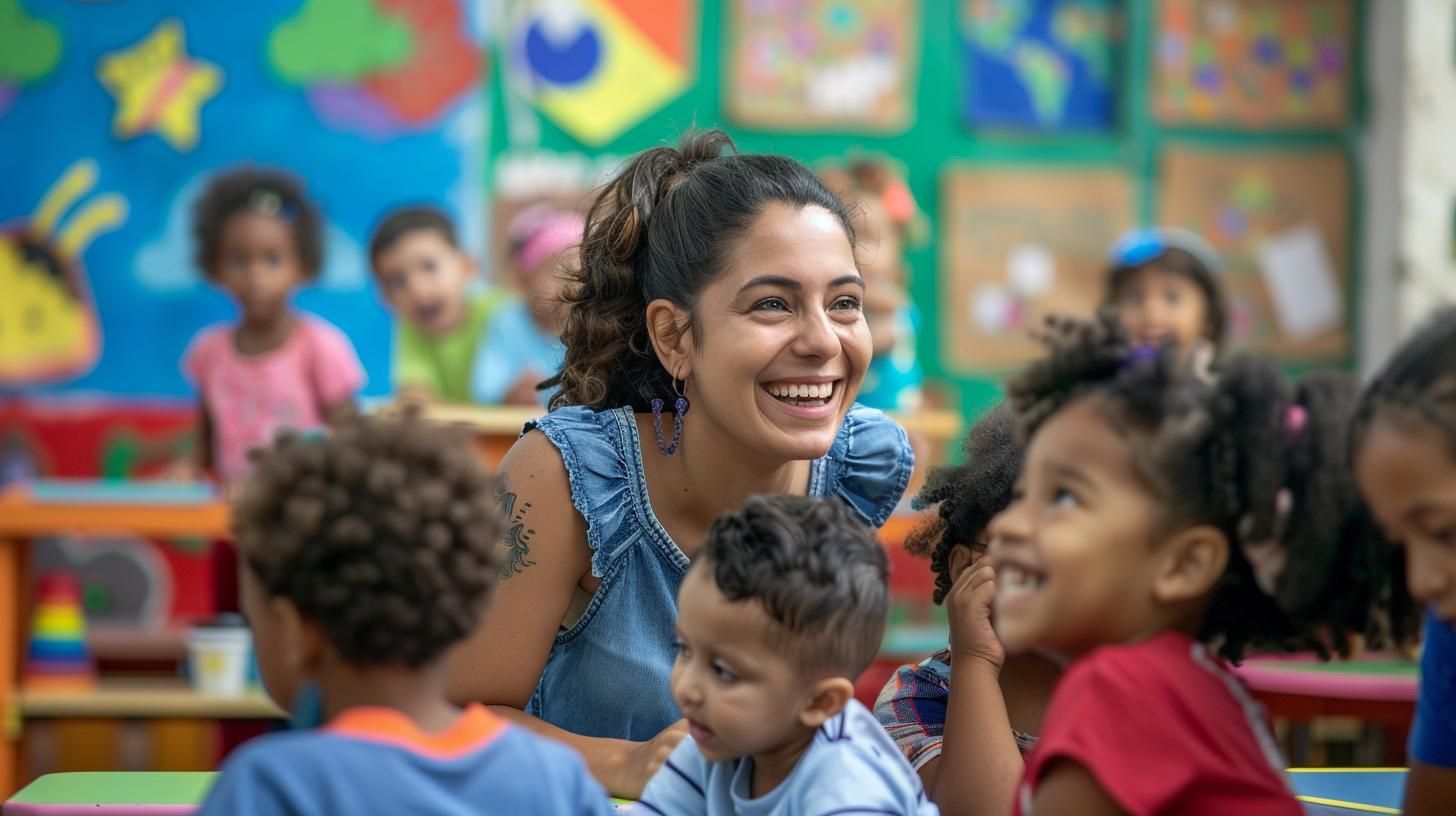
[(1162, 521), (1405, 461), (722, 281)]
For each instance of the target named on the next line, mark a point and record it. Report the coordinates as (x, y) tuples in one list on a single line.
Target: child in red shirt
[(1159, 511)]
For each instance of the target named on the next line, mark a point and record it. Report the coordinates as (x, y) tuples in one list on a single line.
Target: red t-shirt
[(1164, 728)]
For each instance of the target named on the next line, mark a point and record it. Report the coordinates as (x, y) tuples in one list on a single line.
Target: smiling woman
[(711, 281)]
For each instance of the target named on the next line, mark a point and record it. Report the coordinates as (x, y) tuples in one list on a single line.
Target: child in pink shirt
[(259, 239)]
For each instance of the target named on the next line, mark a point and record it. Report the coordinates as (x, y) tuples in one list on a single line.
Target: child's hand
[(644, 759), (969, 607)]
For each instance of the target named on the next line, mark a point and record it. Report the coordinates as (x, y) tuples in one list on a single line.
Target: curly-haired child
[(983, 724), (1159, 511), (259, 239), (1405, 461), (367, 554), (784, 606)]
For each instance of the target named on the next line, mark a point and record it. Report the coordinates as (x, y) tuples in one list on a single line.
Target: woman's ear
[(667, 327)]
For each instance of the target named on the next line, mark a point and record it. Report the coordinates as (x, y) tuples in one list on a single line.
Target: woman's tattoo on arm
[(517, 536)]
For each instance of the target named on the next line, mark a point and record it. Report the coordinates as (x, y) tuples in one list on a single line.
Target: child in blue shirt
[(368, 554), (785, 605), (1405, 462)]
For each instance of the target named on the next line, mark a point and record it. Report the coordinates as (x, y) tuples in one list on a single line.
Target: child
[(982, 728), (259, 239), (1155, 513), (885, 217), (523, 345), (366, 556), (426, 279), (785, 605), (1405, 461), (1164, 285)]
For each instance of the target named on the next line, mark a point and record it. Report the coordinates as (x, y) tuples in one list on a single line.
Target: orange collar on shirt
[(474, 729)]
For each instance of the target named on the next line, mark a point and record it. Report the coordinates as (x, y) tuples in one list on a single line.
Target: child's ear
[(303, 643), (826, 700), (667, 327), (960, 557), (1192, 563)]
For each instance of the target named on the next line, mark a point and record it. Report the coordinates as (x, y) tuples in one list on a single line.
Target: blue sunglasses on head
[(1147, 243)]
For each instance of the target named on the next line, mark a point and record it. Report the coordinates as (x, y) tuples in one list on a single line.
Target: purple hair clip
[(1139, 354), (1295, 418)]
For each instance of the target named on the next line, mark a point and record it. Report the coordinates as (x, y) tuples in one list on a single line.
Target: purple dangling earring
[(680, 410)]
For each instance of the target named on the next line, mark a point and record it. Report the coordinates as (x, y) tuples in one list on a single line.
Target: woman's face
[(780, 344)]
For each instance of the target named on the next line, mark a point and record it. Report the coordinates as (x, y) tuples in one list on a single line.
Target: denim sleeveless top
[(607, 676)]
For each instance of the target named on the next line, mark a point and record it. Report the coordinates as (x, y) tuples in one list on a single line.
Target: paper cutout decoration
[(158, 88), (1018, 244), (403, 65), (48, 326), (1280, 219), (824, 64), (598, 67), (1254, 63), (1040, 64), (29, 50)]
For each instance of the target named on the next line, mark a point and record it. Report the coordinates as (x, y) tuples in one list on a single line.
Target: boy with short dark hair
[(785, 607)]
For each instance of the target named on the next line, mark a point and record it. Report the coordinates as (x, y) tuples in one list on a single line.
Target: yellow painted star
[(158, 87)]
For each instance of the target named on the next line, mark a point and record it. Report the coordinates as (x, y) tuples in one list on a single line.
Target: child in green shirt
[(426, 279)]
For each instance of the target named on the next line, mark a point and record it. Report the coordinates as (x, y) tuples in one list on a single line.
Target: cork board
[(823, 64), (1018, 244), (1251, 206)]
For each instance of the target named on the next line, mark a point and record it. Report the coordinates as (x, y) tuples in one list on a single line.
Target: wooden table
[(76, 508), (1377, 688)]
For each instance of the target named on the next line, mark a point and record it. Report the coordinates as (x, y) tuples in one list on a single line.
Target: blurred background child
[(1163, 284), (523, 345), (440, 316), (886, 217), (259, 239)]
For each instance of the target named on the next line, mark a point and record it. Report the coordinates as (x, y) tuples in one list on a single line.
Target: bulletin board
[(1019, 244), (1280, 219), (823, 64), (942, 134), (1254, 63)]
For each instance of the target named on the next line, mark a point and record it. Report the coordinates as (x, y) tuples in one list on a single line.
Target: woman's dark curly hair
[(1220, 453), (262, 190), (967, 496), (382, 533), (663, 229)]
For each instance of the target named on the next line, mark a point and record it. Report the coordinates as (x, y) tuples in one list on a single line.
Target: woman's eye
[(771, 305), (1173, 296), (847, 303), (430, 265)]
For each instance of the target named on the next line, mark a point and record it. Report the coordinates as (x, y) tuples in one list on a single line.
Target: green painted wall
[(937, 137)]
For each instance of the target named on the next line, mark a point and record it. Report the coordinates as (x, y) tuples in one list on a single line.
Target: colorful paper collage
[(1046, 65), (1281, 221), (1018, 244), (1254, 63), (598, 67), (155, 97), (823, 64)]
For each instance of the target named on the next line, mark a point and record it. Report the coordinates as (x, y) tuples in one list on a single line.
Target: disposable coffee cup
[(217, 658)]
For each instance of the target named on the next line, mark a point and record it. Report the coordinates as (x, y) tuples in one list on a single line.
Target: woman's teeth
[(801, 393)]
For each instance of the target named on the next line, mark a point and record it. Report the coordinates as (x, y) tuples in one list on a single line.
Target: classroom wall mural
[(114, 115)]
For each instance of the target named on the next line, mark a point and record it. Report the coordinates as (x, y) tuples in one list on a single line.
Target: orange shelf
[(20, 517)]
